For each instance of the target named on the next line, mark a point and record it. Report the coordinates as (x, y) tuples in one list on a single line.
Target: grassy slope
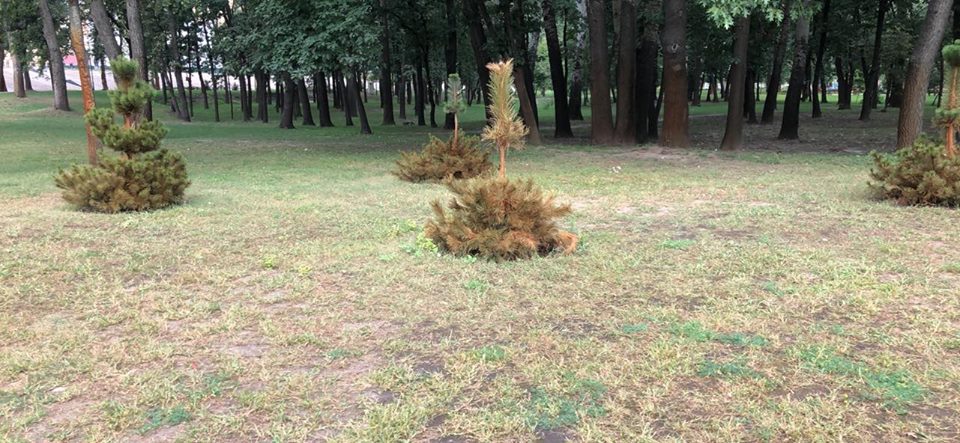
[(757, 295)]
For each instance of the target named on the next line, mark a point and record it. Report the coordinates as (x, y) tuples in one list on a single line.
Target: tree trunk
[(304, 103), (558, 79), (478, 42), (675, 112), (386, 77), (57, 76), (450, 52), (19, 90), (289, 88), (526, 107), (776, 72), (576, 75), (103, 75), (647, 81), (601, 119), (86, 86), (3, 81), (323, 102), (925, 49), (401, 93), (352, 85), (263, 108), (213, 75), (750, 100), (203, 84), (137, 50), (183, 110), (818, 90), (789, 129), (872, 77), (429, 82), (625, 131), (105, 32), (733, 135)]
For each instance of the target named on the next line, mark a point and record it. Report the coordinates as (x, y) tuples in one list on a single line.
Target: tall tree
[(776, 71), (86, 86), (733, 134), (104, 27), (558, 77), (601, 118), (925, 48), (871, 88), (386, 60), (789, 129), (675, 131), (625, 131), (57, 76), (138, 51), (450, 52), (173, 28), (576, 74), (818, 75)]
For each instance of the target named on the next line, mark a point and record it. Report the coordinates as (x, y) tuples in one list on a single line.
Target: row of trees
[(631, 61)]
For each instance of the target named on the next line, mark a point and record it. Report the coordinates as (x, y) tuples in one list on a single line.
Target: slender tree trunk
[(818, 89), (526, 107), (429, 82), (789, 129), (86, 86), (625, 131), (675, 112), (386, 77), (750, 101), (910, 123), (137, 50), (361, 110), (472, 11), (776, 72), (57, 76), (245, 102), (289, 89), (401, 93), (576, 75), (3, 81), (557, 77), (450, 52), (263, 107), (183, 110), (872, 77), (601, 119), (733, 135), (103, 75), (203, 84), (647, 81), (323, 102)]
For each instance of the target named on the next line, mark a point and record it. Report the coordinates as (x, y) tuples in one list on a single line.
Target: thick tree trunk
[(675, 112), (137, 49), (289, 88), (601, 119), (245, 102), (818, 90), (789, 129), (419, 105), (203, 83), (263, 107), (323, 102), (750, 100), (305, 103), (450, 52), (401, 93), (57, 76), (910, 123), (105, 32), (647, 82), (478, 42), (19, 90), (3, 81), (353, 84), (733, 135), (872, 77), (86, 86), (430, 94), (625, 131), (386, 77), (776, 72), (558, 78)]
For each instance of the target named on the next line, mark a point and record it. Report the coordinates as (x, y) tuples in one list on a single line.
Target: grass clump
[(143, 177), (499, 218)]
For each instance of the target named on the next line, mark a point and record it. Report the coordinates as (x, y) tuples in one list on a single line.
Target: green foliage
[(490, 353), (455, 104), (142, 178), (553, 410), (730, 369), (695, 331), (896, 389), (146, 182), (499, 219), (440, 160), (921, 174)]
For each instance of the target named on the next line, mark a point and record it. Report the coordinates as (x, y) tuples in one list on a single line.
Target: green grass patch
[(896, 389)]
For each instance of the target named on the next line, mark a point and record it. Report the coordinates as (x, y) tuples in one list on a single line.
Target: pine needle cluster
[(505, 129), (143, 176), (926, 173)]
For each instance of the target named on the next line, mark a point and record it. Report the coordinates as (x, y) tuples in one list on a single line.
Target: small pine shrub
[(499, 219), (143, 177), (442, 160), (921, 174)]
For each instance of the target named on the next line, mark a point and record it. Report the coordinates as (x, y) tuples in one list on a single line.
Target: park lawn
[(761, 295)]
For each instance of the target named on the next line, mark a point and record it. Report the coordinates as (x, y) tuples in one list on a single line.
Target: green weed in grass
[(678, 244), (731, 369), (157, 418), (492, 353), (634, 328), (695, 331), (896, 389), (552, 410), (475, 285)]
